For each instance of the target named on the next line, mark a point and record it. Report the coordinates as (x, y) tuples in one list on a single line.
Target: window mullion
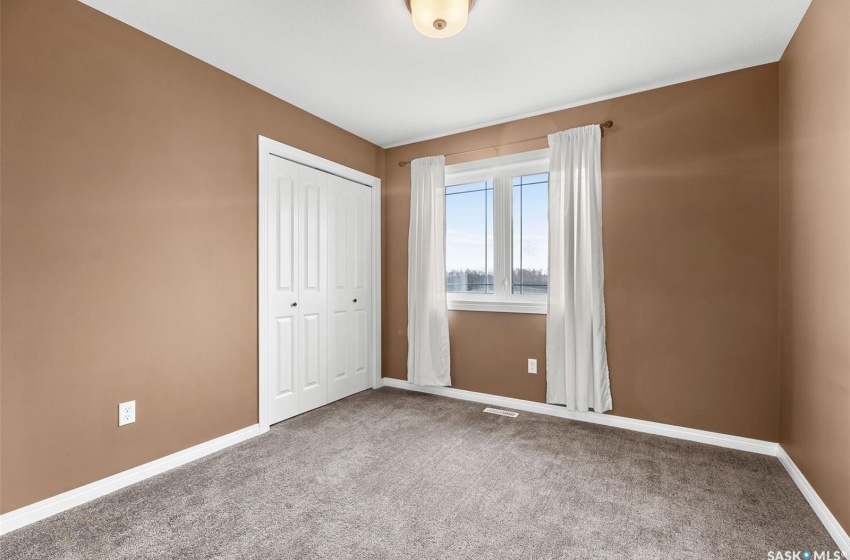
[(502, 235), (497, 228)]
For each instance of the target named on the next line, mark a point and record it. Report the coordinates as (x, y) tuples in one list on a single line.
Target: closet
[(318, 294)]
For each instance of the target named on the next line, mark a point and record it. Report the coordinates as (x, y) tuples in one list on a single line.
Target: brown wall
[(815, 232), (129, 244), (690, 213)]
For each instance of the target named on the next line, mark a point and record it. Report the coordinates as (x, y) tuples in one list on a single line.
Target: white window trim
[(500, 170)]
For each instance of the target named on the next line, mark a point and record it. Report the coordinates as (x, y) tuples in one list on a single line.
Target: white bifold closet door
[(310, 253), (349, 288)]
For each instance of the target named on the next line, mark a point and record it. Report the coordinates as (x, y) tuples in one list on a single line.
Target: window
[(497, 234)]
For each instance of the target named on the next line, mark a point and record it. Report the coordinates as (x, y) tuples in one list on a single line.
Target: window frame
[(500, 170)]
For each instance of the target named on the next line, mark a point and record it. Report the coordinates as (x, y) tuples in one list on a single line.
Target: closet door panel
[(361, 280), (340, 292), (361, 348), (282, 282), (312, 302), (310, 365), (286, 362), (339, 258), (351, 295), (338, 336)]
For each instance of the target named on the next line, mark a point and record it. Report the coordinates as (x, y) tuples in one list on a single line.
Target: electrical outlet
[(532, 365), (126, 413)]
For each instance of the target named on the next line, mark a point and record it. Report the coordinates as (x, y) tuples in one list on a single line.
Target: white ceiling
[(360, 64)]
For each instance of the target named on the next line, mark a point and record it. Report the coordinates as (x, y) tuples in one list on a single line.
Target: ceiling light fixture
[(439, 19)]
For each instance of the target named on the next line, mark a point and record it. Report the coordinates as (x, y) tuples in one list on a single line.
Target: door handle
[(355, 300), (294, 304)]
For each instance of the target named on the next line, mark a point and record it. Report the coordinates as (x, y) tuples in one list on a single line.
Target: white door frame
[(271, 148)]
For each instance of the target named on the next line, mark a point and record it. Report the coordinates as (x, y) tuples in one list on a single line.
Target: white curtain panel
[(427, 313), (576, 360)]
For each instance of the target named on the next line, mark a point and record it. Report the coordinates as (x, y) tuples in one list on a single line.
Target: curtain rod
[(603, 126)]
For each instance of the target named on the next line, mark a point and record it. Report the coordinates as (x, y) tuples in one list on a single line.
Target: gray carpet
[(396, 474)]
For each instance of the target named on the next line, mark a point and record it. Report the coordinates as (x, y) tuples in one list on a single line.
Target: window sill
[(536, 308)]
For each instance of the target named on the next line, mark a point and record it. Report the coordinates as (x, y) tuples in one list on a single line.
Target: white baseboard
[(838, 534), (645, 426), (51, 506)]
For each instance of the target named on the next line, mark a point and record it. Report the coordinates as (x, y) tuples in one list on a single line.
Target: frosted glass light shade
[(439, 19)]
